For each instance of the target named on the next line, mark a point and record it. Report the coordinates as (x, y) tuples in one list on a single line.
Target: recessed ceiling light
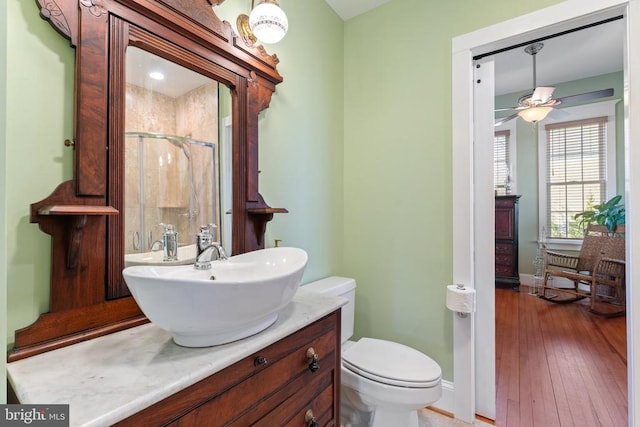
[(156, 75)]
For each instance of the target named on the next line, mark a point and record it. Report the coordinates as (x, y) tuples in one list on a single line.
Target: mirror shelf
[(88, 297), (82, 210)]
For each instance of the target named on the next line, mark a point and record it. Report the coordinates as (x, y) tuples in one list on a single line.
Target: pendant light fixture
[(267, 23), (534, 114)]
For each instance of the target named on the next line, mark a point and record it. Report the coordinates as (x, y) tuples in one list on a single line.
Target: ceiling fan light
[(268, 22), (534, 114)]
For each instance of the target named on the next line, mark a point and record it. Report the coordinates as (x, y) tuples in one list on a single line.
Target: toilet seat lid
[(391, 363)]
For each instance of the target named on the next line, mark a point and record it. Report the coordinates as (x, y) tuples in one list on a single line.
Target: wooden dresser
[(506, 232)]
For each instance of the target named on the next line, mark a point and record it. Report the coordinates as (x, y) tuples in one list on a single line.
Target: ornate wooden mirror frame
[(88, 295)]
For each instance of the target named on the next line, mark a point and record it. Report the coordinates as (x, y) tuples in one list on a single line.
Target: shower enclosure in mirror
[(175, 141)]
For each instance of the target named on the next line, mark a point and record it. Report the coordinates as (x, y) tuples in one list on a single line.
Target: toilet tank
[(339, 286)]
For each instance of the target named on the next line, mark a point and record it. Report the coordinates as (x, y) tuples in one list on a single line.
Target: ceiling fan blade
[(503, 120), (542, 94), (507, 108), (587, 96)]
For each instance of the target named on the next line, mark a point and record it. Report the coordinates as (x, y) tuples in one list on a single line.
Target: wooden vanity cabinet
[(273, 387)]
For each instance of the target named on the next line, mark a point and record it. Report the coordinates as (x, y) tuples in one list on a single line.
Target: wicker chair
[(598, 272)]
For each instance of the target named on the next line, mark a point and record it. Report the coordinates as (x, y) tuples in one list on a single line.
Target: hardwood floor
[(558, 364)]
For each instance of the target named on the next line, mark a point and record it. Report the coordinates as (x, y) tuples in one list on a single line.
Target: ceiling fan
[(535, 106)]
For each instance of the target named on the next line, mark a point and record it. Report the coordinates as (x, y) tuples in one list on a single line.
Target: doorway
[(474, 339)]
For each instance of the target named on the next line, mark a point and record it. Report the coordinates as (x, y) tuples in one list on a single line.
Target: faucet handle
[(168, 228), (206, 231), (205, 237), (207, 228)]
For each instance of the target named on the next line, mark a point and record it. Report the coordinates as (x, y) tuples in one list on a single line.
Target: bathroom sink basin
[(236, 298), (186, 255)]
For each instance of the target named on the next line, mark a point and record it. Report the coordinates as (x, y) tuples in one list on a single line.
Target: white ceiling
[(581, 54), (348, 9), (177, 81)]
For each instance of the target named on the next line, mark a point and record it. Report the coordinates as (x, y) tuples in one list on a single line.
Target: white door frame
[(474, 342)]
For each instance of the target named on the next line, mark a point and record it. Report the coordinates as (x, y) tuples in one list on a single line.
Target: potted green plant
[(610, 213)]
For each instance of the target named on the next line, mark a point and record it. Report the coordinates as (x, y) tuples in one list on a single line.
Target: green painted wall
[(356, 144), (301, 156), (39, 118), (527, 159), (301, 135), (3, 198), (398, 165)]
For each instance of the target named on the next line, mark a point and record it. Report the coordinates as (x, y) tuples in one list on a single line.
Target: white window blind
[(576, 173), (501, 161)]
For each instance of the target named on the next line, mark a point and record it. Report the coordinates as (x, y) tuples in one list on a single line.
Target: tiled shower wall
[(166, 176)]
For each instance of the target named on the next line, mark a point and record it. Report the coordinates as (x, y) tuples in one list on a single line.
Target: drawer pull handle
[(260, 361), (310, 419), (312, 356)]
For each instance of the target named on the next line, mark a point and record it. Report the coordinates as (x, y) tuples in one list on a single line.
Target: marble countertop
[(109, 378)]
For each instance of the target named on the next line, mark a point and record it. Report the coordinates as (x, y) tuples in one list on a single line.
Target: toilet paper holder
[(465, 310)]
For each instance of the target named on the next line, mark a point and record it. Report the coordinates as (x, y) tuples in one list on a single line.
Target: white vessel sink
[(236, 298), (186, 255)]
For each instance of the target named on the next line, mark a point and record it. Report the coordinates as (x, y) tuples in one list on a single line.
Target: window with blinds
[(576, 175), (501, 161)]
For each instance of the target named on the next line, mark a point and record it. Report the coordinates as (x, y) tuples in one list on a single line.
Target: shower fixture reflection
[(169, 179)]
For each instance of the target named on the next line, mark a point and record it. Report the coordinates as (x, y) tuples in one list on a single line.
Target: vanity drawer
[(314, 394), (250, 389), (293, 411), (253, 398)]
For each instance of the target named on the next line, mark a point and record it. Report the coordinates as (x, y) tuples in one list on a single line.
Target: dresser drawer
[(505, 260), (504, 270), (504, 224), (504, 249)]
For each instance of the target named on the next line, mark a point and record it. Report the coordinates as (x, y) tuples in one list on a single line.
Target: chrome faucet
[(208, 250), (169, 243)]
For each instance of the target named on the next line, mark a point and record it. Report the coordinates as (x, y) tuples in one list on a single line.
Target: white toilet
[(384, 383)]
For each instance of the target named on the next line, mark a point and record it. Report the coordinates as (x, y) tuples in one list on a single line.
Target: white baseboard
[(445, 404), (526, 279), (446, 401)]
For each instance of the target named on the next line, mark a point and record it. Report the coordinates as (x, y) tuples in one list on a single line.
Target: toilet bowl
[(383, 383)]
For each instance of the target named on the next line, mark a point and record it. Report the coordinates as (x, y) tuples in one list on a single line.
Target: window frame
[(510, 127), (581, 112)]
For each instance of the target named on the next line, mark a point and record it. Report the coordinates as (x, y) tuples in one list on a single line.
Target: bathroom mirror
[(92, 219), (177, 137)]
